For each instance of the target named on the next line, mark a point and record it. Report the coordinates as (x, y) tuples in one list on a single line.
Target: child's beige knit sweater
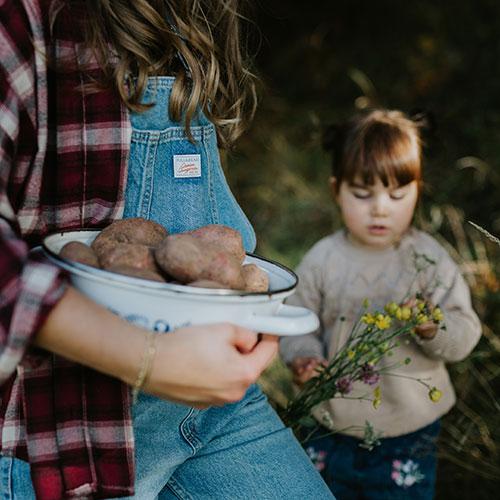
[(335, 277)]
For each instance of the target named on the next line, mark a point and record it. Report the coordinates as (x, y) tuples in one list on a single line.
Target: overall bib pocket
[(184, 197)]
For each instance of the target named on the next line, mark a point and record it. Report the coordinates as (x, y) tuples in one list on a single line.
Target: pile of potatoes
[(209, 257)]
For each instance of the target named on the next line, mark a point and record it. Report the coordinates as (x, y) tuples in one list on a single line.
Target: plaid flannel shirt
[(63, 160)]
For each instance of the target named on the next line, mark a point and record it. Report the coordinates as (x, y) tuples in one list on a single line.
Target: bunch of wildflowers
[(375, 335)]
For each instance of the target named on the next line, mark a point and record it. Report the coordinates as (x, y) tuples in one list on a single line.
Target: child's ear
[(334, 187)]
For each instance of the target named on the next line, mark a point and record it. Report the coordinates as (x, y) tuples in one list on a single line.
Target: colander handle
[(288, 320)]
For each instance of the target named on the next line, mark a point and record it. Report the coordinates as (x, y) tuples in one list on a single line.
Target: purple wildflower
[(344, 385), (369, 375)]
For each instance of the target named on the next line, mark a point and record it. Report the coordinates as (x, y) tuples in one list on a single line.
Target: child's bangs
[(390, 155)]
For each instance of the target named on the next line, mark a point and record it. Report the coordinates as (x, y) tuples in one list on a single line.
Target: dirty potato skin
[(133, 230), (180, 256), (79, 252), (188, 258), (104, 246), (127, 254), (146, 274), (223, 236), (256, 279)]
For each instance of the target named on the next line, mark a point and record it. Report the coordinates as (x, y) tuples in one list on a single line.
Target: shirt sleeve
[(462, 326), (308, 294), (29, 284)]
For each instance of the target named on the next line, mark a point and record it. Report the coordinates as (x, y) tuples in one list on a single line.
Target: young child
[(377, 176)]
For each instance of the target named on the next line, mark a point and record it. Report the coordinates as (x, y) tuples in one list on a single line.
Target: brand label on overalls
[(187, 166)]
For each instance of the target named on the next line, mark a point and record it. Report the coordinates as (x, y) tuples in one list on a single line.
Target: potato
[(223, 236), (104, 247), (79, 252), (180, 256), (146, 274), (128, 254), (188, 258), (255, 278), (133, 230)]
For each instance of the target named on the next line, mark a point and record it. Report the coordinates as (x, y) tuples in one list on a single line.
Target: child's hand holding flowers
[(428, 317), (373, 336), (304, 368), (427, 330)]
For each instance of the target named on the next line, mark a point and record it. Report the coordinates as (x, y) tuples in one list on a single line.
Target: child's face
[(375, 215)]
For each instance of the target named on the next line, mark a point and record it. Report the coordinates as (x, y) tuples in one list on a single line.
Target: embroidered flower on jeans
[(317, 457), (406, 474)]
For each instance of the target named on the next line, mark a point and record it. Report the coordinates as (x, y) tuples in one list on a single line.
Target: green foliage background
[(321, 60)]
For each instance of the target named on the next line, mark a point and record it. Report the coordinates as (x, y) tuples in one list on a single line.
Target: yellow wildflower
[(437, 314), (368, 319), (420, 305), (382, 322), (403, 313), (435, 394), (422, 318), (351, 354), (391, 308)]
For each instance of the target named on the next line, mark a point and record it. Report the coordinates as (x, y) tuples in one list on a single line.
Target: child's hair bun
[(425, 120)]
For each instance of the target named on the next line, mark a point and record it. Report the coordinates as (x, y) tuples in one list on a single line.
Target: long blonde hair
[(198, 41)]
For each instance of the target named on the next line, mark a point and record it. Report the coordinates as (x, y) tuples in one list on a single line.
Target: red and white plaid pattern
[(63, 165)]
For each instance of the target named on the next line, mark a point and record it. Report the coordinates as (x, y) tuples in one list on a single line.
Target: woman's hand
[(199, 366), (304, 368), (209, 364)]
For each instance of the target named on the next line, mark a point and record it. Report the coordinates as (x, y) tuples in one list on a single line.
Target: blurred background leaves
[(321, 61)]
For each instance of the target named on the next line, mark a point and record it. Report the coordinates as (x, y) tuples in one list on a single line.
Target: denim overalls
[(181, 185), (237, 451), (172, 181)]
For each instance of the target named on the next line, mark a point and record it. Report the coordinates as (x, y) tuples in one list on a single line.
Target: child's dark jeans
[(402, 468)]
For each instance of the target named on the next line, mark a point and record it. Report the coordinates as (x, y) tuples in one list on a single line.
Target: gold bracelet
[(146, 364)]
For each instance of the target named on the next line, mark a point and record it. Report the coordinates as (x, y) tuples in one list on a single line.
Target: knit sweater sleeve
[(308, 294), (462, 328)]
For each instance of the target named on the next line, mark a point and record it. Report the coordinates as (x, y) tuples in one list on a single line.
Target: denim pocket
[(181, 203), (153, 189)]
